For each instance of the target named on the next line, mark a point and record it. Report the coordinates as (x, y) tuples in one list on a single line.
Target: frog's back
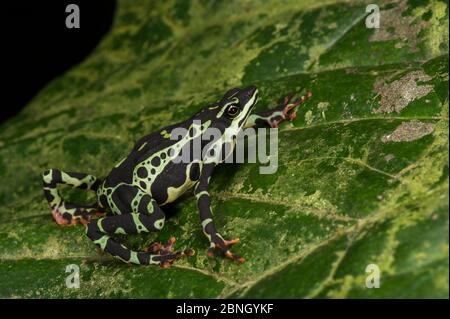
[(145, 148)]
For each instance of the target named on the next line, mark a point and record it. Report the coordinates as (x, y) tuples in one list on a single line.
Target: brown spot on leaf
[(409, 131), (397, 95)]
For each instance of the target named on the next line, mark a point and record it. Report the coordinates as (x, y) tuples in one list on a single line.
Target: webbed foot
[(165, 253), (287, 109), (223, 246), (61, 220), (71, 220)]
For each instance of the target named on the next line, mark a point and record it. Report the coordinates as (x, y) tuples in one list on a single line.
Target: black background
[(38, 46)]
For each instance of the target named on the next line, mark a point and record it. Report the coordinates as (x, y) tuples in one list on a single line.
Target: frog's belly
[(174, 192)]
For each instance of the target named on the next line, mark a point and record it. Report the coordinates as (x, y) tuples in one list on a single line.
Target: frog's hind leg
[(138, 213), (68, 213)]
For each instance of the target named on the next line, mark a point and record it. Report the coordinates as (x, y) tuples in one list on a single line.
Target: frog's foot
[(167, 260), (224, 246), (288, 109), (86, 218), (165, 253), (63, 219), (66, 219)]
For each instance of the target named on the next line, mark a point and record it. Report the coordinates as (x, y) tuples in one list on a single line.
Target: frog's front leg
[(138, 213), (285, 111), (209, 229)]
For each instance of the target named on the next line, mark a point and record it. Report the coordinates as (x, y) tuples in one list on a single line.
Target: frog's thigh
[(128, 199)]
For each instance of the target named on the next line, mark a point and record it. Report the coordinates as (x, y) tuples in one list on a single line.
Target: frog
[(131, 198)]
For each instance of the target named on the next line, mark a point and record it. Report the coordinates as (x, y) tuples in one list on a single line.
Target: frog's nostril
[(250, 91)]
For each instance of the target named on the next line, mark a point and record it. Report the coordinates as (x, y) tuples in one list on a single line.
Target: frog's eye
[(233, 110)]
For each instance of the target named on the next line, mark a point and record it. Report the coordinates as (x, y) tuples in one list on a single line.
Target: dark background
[(38, 46)]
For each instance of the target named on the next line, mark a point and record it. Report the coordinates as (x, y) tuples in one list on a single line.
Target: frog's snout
[(250, 91)]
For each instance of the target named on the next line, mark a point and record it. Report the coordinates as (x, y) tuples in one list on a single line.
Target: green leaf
[(363, 170)]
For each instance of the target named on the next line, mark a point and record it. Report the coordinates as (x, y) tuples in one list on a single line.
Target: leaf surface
[(362, 172)]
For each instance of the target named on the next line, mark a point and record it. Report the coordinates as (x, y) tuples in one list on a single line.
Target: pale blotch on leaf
[(322, 107), (308, 117), (398, 26), (397, 95), (409, 131), (389, 157)]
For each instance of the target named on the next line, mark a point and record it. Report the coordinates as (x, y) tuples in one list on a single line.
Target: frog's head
[(221, 122), (237, 104), (231, 112)]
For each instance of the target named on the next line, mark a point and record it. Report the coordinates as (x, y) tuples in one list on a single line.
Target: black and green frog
[(131, 197)]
